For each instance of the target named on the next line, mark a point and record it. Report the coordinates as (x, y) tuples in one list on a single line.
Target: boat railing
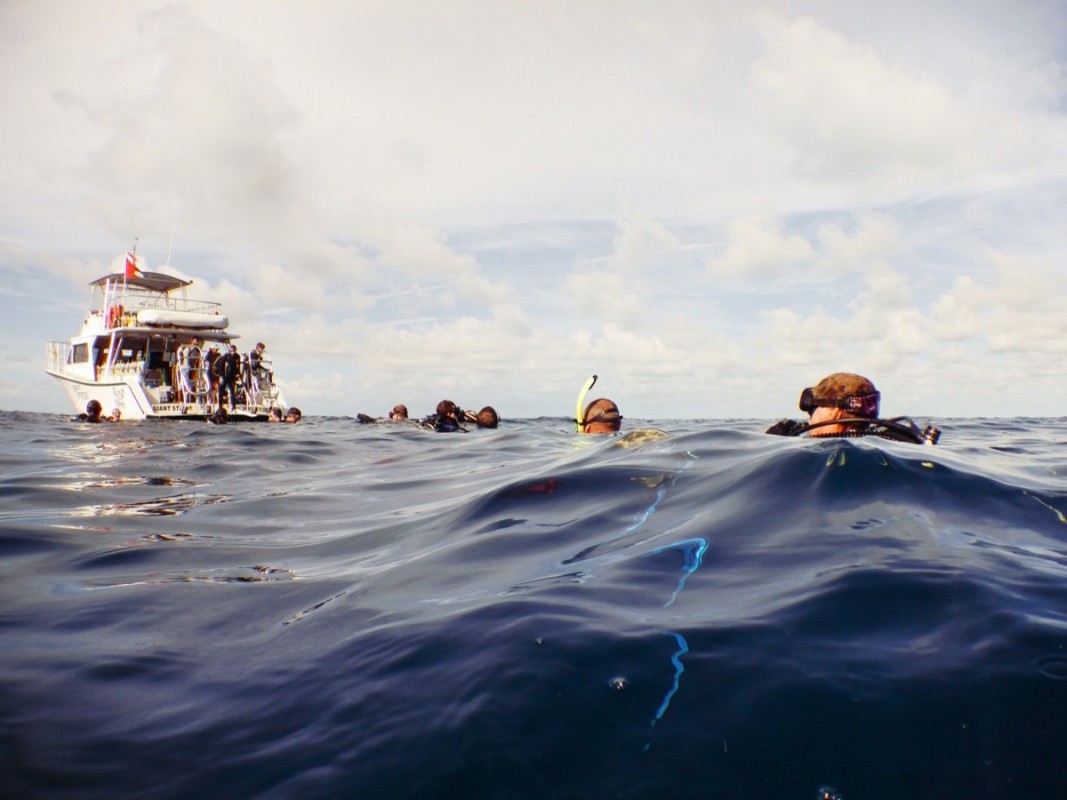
[(162, 303), (131, 298)]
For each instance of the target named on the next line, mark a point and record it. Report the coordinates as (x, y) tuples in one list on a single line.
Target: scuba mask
[(865, 405)]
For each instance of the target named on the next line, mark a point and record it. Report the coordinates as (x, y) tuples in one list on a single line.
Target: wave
[(699, 610)]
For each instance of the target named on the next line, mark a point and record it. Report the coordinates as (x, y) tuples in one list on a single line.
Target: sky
[(709, 204)]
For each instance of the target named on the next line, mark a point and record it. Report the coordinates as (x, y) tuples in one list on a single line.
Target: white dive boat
[(137, 352)]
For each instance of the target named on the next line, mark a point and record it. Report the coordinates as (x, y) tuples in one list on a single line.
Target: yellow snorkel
[(579, 418)]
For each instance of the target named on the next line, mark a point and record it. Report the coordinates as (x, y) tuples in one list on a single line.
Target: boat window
[(79, 354)]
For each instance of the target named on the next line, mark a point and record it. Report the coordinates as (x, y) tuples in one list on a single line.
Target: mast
[(130, 255)]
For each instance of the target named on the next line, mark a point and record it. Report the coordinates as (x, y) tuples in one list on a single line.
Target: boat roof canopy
[(152, 281)]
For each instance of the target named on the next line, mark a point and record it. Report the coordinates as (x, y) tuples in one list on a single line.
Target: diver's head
[(446, 409), (93, 408), (487, 418), (601, 416), (399, 412), (845, 391)]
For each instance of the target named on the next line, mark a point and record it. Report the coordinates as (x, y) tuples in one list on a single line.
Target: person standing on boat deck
[(256, 361), (227, 370), (259, 376), (188, 354), (196, 370), (181, 372), (210, 357)]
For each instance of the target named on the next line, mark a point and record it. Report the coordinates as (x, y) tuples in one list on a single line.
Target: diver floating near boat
[(144, 349)]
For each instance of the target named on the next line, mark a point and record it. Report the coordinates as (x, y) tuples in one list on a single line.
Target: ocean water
[(333, 610)]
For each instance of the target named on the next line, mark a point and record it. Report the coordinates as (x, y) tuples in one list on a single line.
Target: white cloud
[(959, 312), (757, 248), (709, 206), (643, 242), (875, 239), (853, 116), (202, 145), (606, 296)]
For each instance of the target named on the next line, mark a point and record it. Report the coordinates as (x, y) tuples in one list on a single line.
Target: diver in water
[(399, 413), (220, 417), (846, 405), (600, 416), (93, 411), (486, 418), (446, 420)]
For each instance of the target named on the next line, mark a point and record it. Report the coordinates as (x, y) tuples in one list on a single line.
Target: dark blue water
[(337, 610)]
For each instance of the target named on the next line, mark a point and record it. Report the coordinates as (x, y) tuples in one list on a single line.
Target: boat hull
[(132, 400)]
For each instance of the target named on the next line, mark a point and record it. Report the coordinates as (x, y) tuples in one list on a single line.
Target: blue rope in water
[(694, 550), (679, 668), (694, 555)]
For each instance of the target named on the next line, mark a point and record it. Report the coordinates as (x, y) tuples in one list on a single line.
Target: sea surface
[(336, 610)]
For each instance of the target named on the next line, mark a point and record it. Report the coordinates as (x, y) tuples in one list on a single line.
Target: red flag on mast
[(131, 266)]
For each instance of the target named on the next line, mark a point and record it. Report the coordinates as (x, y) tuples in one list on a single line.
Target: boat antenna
[(171, 245)]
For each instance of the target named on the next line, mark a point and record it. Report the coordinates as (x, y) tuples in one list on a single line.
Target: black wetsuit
[(442, 424), (228, 370), (899, 429)]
